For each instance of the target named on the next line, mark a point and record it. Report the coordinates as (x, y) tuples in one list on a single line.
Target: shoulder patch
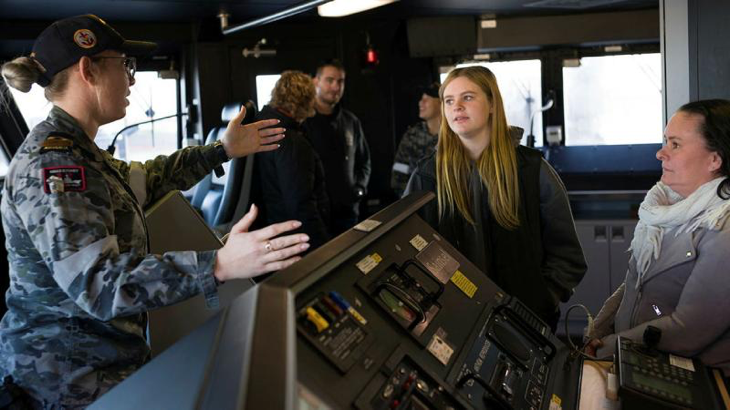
[(70, 178), (56, 143)]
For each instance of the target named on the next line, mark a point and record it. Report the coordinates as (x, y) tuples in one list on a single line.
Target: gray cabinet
[(605, 244)]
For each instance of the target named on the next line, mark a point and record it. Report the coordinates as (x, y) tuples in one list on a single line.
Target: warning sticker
[(367, 225), (418, 242), (369, 263), (438, 262), (555, 403), (682, 362), (440, 349), (464, 284)]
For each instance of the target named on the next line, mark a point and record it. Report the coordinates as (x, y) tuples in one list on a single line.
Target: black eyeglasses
[(130, 64)]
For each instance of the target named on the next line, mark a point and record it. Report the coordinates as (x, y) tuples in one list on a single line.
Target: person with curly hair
[(289, 182)]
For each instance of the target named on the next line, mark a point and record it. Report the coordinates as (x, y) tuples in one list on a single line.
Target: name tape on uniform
[(56, 144)]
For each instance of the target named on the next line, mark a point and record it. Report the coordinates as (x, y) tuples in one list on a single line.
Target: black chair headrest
[(516, 133), (230, 111)]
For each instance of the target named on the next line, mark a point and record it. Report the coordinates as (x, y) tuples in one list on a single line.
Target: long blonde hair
[(497, 164)]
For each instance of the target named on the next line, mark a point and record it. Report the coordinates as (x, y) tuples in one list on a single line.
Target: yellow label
[(463, 283), (357, 315), (369, 263), (555, 403)]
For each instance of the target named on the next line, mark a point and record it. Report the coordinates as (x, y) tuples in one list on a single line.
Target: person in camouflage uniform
[(81, 276), (420, 139)]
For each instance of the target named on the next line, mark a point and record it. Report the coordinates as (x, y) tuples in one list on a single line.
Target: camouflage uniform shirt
[(416, 144), (81, 278)]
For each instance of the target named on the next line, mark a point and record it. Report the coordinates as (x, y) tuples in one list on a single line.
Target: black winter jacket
[(541, 261), (340, 142), (289, 181)]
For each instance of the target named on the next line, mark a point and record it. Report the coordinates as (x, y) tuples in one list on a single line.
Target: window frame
[(13, 128), (551, 59), (502, 58), (21, 123), (578, 173)]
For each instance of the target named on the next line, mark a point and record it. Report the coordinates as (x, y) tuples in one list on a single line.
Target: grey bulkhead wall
[(695, 43)]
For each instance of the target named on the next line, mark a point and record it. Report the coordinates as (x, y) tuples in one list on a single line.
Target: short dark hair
[(715, 129), (332, 62)]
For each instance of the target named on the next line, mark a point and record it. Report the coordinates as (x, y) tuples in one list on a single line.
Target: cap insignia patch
[(85, 38)]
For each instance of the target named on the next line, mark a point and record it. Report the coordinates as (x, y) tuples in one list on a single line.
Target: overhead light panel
[(340, 8), (488, 21)]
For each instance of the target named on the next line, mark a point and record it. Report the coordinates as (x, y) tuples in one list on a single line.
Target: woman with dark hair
[(501, 205), (81, 275), (678, 272), (290, 180)]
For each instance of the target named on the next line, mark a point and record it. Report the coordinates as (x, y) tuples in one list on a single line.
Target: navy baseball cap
[(431, 90), (64, 42)]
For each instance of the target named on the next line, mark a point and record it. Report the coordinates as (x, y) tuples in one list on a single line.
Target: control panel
[(388, 315), (649, 379), (409, 323)]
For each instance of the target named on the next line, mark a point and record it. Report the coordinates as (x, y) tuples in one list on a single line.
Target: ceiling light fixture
[(340, 8), (291, 11)]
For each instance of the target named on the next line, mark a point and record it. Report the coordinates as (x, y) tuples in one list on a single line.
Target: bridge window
[(612, 100), (521, 87), (264, 85), (151, 97), (4, 162), (33, 105)]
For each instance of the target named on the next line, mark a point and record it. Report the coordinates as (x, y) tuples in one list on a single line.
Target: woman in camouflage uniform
[(81, 277)]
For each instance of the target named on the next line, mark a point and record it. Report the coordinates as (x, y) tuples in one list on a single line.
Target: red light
[(372, 56)]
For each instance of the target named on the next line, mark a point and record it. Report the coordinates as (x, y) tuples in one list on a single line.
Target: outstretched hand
[(241, 140), (248, 254)]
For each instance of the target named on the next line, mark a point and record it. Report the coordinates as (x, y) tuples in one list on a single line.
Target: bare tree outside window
[(613, 100)]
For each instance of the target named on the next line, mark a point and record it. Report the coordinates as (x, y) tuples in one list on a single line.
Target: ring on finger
[(268, 246)]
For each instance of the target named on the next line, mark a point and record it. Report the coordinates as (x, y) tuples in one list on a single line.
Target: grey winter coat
[(685, 293)]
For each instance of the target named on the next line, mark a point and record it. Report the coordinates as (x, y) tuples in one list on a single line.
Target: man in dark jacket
[(338, 138)]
